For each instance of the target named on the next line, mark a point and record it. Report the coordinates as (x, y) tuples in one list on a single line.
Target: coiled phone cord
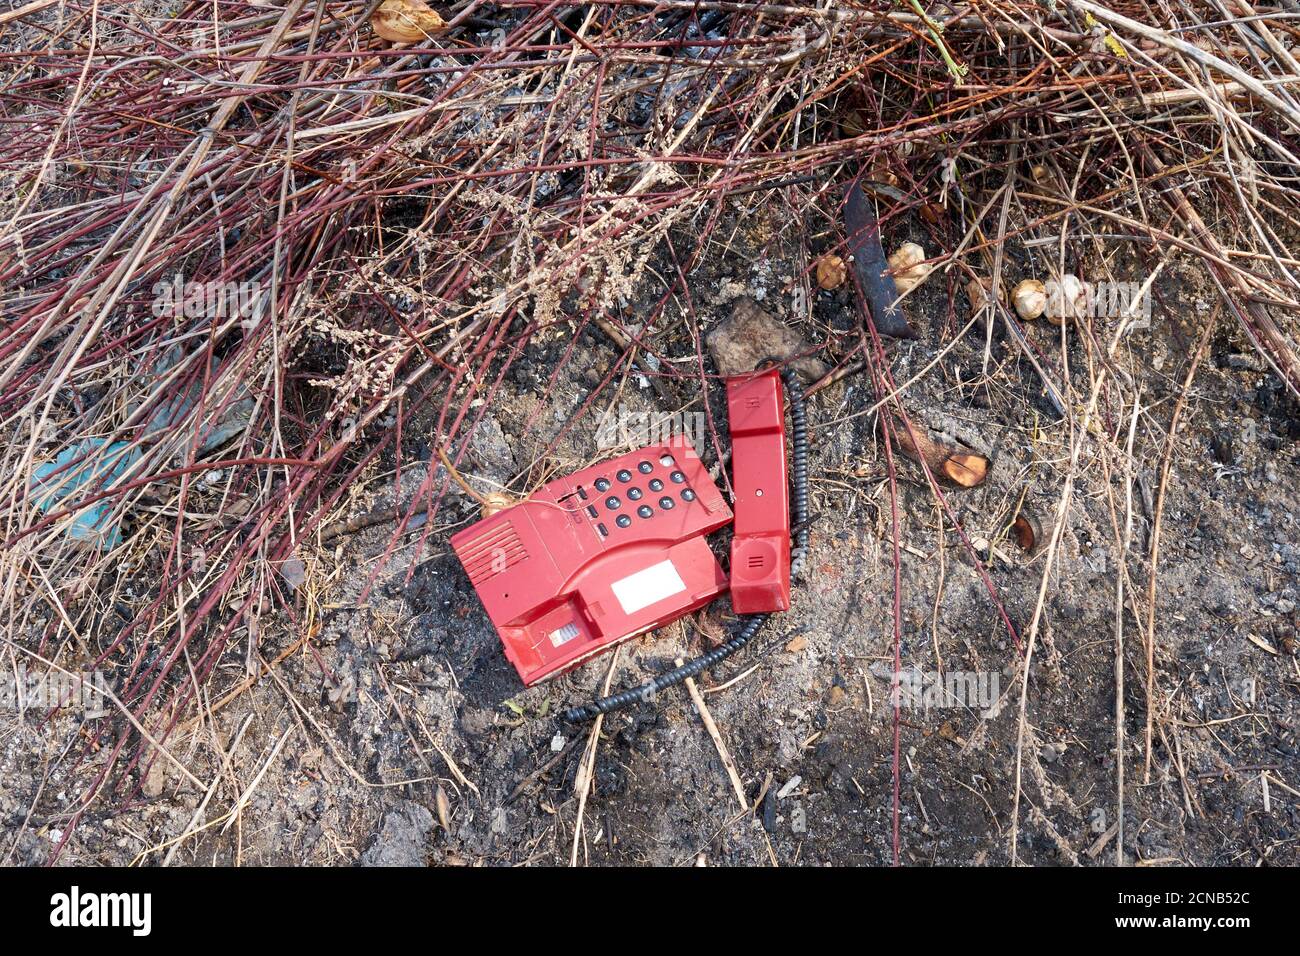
[(798, 556), (798, 469)]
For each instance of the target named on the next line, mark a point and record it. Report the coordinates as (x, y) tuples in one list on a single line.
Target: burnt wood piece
[(871, 268)]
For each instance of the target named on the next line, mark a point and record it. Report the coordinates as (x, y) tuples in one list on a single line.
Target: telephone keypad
[(655, 484)]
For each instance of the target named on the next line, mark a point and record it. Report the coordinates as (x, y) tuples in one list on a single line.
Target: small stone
[(492, 452), (155, 779), (557, 744), (769, 812), (790, 786), (750, 336), (1052, 752), (294, 573), (402, 837)]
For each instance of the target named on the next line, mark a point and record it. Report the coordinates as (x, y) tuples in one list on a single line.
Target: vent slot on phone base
[(492, 552)]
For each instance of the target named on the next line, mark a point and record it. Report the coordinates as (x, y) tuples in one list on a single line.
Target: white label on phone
[(646, 587)]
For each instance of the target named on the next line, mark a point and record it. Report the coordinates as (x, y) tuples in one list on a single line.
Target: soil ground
[(400, 734)]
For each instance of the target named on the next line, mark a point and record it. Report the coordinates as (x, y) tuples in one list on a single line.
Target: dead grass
[(410, 218)]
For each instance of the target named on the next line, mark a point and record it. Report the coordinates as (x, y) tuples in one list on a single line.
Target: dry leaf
[(831, 272), (977, 290), (881, 173), (406, 21), (933, 213), (444, 809), (1262, 644)]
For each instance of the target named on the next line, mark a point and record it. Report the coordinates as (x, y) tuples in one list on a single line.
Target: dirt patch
[(403, 690)]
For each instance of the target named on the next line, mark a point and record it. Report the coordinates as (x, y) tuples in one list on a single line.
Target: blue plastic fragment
[(78, 471)]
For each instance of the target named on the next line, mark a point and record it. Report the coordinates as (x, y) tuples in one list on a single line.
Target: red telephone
[(597, 557), (618, 549)]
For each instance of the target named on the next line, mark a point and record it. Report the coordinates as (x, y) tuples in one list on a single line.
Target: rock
[(475, 721), (155, 779), (750, 335), (403, 837), (294, 573), (1221, 446), (1053, 752), (769, 812), (491, 453)]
